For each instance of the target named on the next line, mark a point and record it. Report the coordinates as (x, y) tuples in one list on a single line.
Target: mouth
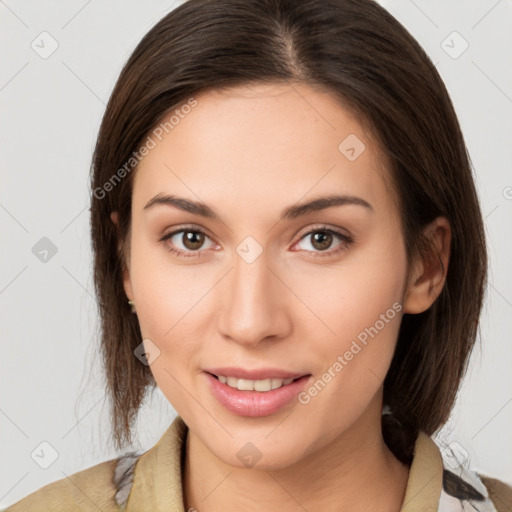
[(267, 392), (262, 385)]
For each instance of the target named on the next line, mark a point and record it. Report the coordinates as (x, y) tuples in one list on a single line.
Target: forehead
[(262, 144)]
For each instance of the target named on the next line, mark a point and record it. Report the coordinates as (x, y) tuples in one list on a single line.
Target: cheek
[(167, 291), (354, 294), (168, 307), (361, 305)]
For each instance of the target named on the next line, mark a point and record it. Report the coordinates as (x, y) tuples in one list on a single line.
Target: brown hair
[(358, 52)]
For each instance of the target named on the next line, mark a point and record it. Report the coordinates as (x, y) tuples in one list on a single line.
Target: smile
[(254, 385), (256, 397)]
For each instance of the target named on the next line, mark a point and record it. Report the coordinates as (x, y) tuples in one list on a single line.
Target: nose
[(254, 302)]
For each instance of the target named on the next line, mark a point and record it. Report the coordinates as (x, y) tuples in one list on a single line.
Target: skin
[(248, 153)]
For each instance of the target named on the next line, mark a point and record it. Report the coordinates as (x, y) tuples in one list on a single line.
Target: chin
[(260, 453)]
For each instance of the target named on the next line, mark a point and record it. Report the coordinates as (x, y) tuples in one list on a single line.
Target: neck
[(355, 472)]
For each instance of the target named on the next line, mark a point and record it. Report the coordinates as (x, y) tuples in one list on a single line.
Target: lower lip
[(255, 403)]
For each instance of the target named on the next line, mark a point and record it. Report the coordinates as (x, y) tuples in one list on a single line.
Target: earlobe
[(127, 284), (429, 274), (114, 217)]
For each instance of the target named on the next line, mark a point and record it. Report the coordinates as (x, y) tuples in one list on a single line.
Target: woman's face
[(315, 294)]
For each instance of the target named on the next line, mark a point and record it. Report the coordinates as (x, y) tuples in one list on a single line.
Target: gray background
[(50, 377)]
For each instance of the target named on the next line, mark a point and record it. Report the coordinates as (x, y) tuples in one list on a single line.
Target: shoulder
[(464, 485), (107, 486), (499, 492), (446, 472), (468, 487), (103, 486)]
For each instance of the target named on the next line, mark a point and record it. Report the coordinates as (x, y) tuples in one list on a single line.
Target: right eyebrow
[(195, 207)]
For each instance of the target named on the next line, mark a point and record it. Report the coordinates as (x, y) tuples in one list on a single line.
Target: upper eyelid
[(323, 227), (177, 230)]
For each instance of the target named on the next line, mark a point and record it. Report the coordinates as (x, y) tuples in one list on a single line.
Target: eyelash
[(318, 254)]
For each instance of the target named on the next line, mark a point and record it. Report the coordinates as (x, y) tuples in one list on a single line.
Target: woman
[(288, 243)]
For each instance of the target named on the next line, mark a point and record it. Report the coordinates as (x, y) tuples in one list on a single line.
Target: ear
[(114, 216), (428, 275)]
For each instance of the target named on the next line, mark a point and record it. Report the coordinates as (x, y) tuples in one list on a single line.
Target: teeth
[(254, 385)]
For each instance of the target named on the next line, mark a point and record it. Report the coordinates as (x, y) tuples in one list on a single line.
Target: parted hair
[(359, 53)]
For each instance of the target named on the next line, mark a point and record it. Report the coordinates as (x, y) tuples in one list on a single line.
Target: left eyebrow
[(292, 212), (321, 203)]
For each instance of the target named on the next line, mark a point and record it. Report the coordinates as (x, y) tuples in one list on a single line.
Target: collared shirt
[(152, 481)]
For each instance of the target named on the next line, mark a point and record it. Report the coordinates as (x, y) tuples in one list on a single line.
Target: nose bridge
[(250, 306)]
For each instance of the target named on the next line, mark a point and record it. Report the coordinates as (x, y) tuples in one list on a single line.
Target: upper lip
[(258, 374)]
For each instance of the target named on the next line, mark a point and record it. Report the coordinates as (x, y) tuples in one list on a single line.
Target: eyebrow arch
[(292, 212)]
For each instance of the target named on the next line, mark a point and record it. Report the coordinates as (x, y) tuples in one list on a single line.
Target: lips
[(254, 393)]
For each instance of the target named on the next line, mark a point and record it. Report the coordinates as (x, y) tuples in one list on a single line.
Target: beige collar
[(425, 476), (158, 475)]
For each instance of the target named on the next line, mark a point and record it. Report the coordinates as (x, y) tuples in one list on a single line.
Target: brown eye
[(192, 240), (186, 242), (321, 240)]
